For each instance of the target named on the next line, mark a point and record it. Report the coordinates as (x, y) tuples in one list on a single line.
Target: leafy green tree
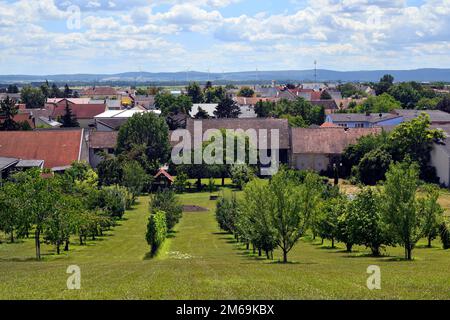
[(69, 120), (214, 94), (113, 199), (406, 93), (67, 91), (264, 109), (181, 182), (364, 218), (134, 178), (380, 104), (444, 104), (444, 232), (167, 201), (156, 231), (401, 214), (432, 212), (241, 175), (330, 220), (195, 92), (146, 129), (246, 92), (164, 101), (10, 209), (33, 98), (110, 171), (373, 166), (350, 90), (254, 221), (8, 111), (386, 82), (227, 108), (55, 92), (291, 208), (428, 103)]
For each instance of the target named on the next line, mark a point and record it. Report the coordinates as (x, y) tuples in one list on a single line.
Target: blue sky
[(110, 36)]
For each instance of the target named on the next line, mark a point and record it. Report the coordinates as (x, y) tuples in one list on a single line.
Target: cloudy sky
[(110, 36)]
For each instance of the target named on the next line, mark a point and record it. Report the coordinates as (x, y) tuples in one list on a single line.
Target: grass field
[(200, 262)]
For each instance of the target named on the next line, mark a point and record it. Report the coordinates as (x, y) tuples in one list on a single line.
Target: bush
[(241, 174), (115, 200), (156, 231), (181, 182), (444, 231), (167, 201)]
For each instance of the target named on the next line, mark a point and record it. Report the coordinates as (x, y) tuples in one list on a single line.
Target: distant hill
[(420, 75)]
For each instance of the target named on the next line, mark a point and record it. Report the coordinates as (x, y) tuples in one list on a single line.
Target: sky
[(111, 36)]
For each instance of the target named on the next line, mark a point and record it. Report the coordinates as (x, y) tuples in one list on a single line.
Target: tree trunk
[(429, 242), (58, 250), (248, 246), (81, 240), (259, 252), (322, 241), (66, 248), (254, 249), (267, 255), (376, 251), (332, 243), (285, 259), (37, 242), (223, 181), (349, 247), (12, 236)]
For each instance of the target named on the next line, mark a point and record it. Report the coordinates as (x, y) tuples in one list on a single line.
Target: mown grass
[(201, 262)]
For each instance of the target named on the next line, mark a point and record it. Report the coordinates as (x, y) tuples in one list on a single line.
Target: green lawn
[(200, 262)]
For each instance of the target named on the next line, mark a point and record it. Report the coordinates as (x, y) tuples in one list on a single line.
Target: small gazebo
[(163, 179)]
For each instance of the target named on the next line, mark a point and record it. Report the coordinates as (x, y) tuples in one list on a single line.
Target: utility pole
[(315, 71)]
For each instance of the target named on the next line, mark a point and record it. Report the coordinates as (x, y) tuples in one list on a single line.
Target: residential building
[(209, 108), (101, 143), (437, 117), (361, 120), (58, 149), (85, 113), (111, 120), (101, 93), (317, 149)]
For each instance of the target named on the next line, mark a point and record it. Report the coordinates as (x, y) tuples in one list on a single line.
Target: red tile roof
[(100, 91), (58, 148), (253, 101), (81, 111), (164, 173), (22, 117)]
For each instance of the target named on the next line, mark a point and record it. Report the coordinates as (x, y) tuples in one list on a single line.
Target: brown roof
[(81, 111), (58, 148), (253, 101), (100, 91), (103, 140), (245, 124), (164, 173), (22, 117), (327, 140), (327, 104)]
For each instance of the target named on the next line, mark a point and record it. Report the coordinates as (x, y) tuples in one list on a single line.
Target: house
[(247, 105), (361, 120), (101, 93), (437, 117), (440, 156), (21, 118), (257, 124), (146, 101), (162, 179), (209, 108), (6, 167), (58, 149), (330, 106), (85, 113), (101, 142), (112, 120), (110, 104), (317, 149)]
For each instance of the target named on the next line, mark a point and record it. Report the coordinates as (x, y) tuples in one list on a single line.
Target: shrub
[(156, 231), (241, 174), (115, 200), (181, 182), (444, 231), (166, 200)]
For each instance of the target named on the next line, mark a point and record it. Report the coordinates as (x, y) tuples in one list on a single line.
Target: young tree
[(12, 88), (373, 166), (167, 201), (444, 232), (202, 114), (67, 91), (400, 210), (8, 110), (227, 108), (291, 208), (9, 209), (264, 109), (331, 221), (254, 222), (156, 231), (134, 178), (110, 171), (365, 221), (432, 212), (386, 82), (241, 174)]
